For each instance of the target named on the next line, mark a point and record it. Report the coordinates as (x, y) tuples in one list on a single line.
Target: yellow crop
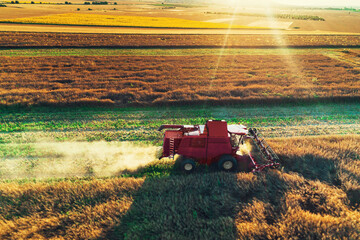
[(122, 21), (28, 2)]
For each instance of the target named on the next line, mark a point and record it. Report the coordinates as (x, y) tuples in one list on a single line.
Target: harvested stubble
[(148, 80), (20, 39), (315, 197)]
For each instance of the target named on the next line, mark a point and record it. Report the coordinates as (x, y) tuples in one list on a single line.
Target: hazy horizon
[(299, 3), (321, 3)]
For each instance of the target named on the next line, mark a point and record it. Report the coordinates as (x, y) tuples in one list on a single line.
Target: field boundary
[(177, 47), (231, 102)]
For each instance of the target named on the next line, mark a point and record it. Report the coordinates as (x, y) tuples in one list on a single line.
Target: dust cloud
[(245, 148), (78, 159)]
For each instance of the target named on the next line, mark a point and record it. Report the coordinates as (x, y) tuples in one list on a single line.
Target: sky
[(320, 3), (304, 3)]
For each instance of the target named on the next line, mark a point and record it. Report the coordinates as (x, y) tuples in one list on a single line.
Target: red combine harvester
[(216, 142)]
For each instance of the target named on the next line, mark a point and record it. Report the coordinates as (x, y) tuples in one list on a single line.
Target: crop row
[(19, 39), (145, 80)]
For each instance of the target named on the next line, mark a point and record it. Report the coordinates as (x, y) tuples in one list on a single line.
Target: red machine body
[(215, 142)]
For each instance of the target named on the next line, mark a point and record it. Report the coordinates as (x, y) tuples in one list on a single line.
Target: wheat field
[(119, 21), (314, 196)]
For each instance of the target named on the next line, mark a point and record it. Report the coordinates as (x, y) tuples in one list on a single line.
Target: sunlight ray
[(294, 66), (223, 48)]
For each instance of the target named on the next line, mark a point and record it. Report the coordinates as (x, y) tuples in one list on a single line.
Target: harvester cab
[(215, 143)]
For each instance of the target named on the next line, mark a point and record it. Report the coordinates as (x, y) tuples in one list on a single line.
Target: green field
[(140, 124), (31, 137)]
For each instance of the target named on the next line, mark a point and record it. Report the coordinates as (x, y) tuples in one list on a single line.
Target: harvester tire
[(187, 165), (227, 163)]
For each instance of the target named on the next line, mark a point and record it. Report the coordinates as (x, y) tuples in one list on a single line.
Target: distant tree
[(87, 3), (89, 9), (16, 2), (99, 3), (32, 2), (78, 9), (115, 3)]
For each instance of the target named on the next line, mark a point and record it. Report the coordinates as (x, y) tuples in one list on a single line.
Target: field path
[(8, 27)]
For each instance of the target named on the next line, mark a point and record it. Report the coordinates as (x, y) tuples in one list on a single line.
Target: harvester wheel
[(188, 165), (227, 163)]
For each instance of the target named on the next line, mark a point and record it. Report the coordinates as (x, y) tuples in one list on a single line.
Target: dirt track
[(6, 27)]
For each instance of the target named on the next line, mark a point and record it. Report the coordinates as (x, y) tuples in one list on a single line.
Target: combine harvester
[(215, 143)]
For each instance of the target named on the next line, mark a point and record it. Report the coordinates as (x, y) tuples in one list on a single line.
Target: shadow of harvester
[(195, 206)]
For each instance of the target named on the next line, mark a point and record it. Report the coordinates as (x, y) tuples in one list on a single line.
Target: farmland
[(65, 40), (294, 202), (118, 21), (294, 19), (67, 172), (79, 115), (149, 80), (39, 140), (25, 125), (80, 146), (285, 16)]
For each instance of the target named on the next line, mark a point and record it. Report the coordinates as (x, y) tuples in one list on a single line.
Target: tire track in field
[(346, 57)]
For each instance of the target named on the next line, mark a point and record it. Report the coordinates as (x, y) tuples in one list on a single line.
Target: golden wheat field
[(314, 196), (150, 80), (123, 21)]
